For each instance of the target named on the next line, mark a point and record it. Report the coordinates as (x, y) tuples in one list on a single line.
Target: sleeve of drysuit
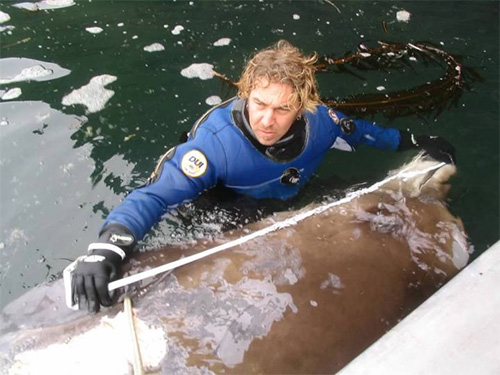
[(189, 169), (358, 132)]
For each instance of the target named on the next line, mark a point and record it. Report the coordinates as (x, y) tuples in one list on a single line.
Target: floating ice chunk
[(296, 17), (222, 42), (8, 27), (27, 6), (403, 16), (16, 69), (45, 5), (201, 71), (52, 4), (4, 17), (313, 303), (155, 47), (177, 29), (94, 30), (380, 88), (213, 100), (12, 94), (93, 95)]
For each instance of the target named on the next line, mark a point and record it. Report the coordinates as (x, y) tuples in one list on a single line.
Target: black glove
[(436, 147), (95, 271)]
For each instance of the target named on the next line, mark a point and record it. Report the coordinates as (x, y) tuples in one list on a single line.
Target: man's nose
[(268, 117)]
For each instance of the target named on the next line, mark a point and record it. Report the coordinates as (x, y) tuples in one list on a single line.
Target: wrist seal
[(407, 141), (116, 238), (106, 246)]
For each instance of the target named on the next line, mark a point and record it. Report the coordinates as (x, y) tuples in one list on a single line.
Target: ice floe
[(201, 71), (12, 94), (18, 69), (155, 47), (94, 30), (93, 95), (403, 16), (4, 17), (45, 5), (8, 27), (177, 29), (222, 42), (213, 100)]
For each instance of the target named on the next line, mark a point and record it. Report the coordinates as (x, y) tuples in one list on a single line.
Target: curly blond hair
[(283, 63)]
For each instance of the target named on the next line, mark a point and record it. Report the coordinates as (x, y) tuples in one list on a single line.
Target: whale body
[(306, 298)]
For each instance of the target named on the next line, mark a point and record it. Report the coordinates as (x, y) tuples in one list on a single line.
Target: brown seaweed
[(430, 98)]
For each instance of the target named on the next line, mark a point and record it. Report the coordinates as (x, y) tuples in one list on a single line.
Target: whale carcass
[(305, 298)]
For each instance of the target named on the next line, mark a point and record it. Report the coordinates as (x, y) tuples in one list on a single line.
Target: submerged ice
[(19, 69)]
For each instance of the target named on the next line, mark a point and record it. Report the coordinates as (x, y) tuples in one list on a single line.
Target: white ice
[(93, 95), (16, 69), (213, 100), (8, 27), (94, 30), (155, 47), (45, 5), (4, 17), (177, 29), (222, 42), (201, 71), (403, 16), (12, 94)]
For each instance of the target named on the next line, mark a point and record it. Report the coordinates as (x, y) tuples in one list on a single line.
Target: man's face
[(270, 111)]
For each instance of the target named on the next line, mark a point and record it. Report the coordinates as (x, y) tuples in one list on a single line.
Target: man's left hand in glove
[(436, 147)]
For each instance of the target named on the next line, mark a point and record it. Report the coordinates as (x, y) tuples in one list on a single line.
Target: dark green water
[(63, 169)]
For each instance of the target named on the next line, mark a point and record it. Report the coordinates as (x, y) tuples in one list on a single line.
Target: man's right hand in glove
[(102, 265)]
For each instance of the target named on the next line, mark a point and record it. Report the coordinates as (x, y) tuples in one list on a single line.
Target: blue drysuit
[(220, 150)]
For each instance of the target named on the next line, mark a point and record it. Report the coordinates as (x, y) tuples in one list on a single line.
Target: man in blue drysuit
[(265, 143)]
